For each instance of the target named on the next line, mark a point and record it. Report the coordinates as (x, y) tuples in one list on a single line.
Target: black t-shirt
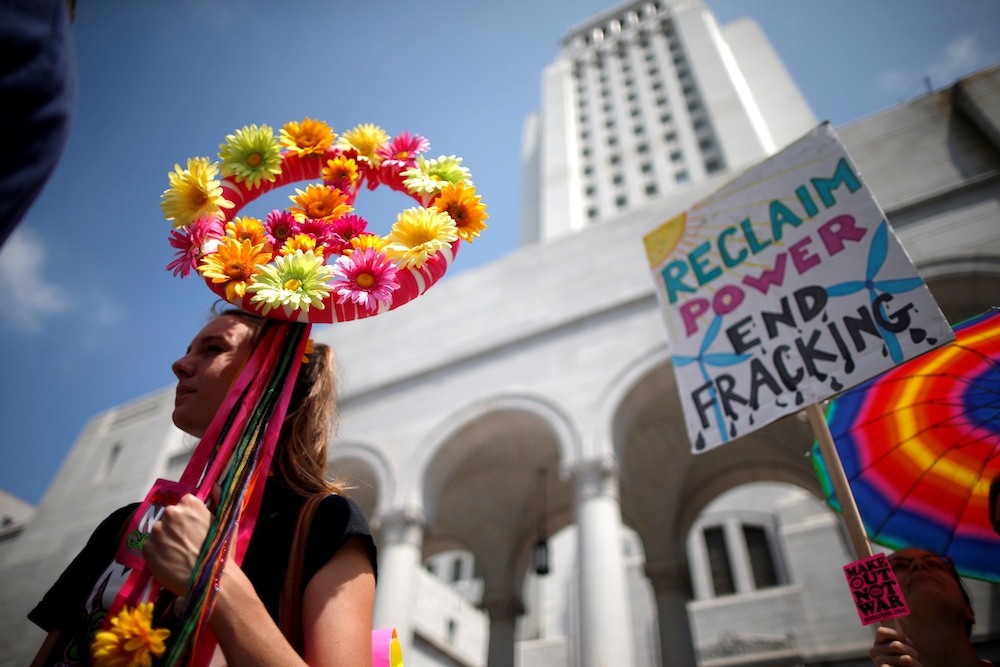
[(78, 601)]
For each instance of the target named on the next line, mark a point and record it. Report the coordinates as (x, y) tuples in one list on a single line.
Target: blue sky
[(91, 317)]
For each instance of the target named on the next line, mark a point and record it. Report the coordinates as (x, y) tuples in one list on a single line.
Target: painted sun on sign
[(783, 288)]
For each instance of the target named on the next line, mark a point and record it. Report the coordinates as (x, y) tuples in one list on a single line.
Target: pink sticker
[(163, 494), (875, 589)]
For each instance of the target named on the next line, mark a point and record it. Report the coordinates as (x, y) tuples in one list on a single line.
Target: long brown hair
[(301, 456)]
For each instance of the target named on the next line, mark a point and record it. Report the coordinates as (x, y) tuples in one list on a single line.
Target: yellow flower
[(234, 263), (194, 193), (309, 350), (310, 137), (365, 139), (365, 240), (131, 641), (340, 169), (462, 204), (319, 202), (418, 234), (247, 229), (301, 242)]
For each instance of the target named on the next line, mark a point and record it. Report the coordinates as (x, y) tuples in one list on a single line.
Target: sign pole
[(849, 508)]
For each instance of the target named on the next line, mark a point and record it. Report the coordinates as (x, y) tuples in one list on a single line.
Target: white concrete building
[(555, 357)]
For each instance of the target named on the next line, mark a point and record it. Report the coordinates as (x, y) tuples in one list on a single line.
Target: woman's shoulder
[(339, 511), (337, 519)]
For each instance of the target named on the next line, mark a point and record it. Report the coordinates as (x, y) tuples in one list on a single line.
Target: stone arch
[(369, 474), (963, 287)]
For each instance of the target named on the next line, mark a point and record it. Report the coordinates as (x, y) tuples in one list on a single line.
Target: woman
[(339, 567), (937, 631)]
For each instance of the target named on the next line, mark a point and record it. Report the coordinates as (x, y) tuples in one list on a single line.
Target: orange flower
[(310, 137), (235, 263), (247, 229), (341, 169), (319, 202), (462, 204), (301, 242)]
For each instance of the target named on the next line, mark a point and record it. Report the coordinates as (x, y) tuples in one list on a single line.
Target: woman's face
[(921, 574), (207, 371)]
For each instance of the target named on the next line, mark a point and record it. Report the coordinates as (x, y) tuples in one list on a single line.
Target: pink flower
[(189, 244), (279, 226), (349, 226), (366, 278), (325, 234), (397, 155)]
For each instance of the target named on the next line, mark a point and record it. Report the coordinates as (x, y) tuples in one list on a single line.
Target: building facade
[(555, 358)]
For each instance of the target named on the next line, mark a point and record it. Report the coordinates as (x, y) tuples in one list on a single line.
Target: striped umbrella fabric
[(920, 445)]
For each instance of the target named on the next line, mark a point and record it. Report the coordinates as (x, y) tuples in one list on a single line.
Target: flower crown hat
[(316, 261)]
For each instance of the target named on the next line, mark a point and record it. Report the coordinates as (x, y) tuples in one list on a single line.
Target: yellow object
[(132, 641), (664, 239)]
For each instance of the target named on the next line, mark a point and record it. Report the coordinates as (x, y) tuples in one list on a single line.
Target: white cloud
[(29, 296), (890, 81), (963, 55)]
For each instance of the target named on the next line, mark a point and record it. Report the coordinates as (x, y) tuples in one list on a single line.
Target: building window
[(651, 189), (635, 112), (670, 136), (588, 170), (615, 159), (682, 177), (694, 105), (718, 561), (609, 122), (590, 191), (584, 134), (612, 140), (607, 107), (629, 82), (698, 124), (675, 156), (653, 71), (618, 179), (705, 144), (642, 148), (621, 202), (586, 152), (456, 570), (688, 89), (761, 562), (713, 165), (662, 101), (666, 118), (592, 212), (657, 85), (647, 168), (631, 97), (638, 129)]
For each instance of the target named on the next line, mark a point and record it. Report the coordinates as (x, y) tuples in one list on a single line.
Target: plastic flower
[(251, 154), (309, 350), (189, 244), (299, 243), (349, 226), (325, 234), (366, 277), (234, 263), (247, 229), (418, 234), (319, 202), (310, 137), (463, 205), (298, 280), (279, 226), (365, 240), (131, 641), (341, 172), (403, 150), (428, 176), (366, 140), (194, 193)]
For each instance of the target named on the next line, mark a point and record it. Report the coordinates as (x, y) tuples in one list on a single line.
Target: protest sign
[(875, 589), (784, 287)]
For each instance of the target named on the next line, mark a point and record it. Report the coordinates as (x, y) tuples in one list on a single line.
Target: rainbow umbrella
[(920, 445)]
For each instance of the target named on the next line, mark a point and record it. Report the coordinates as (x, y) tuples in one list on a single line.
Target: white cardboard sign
[(783, 288)]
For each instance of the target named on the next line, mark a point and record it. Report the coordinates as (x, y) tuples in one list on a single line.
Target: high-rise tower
[(644, 99)]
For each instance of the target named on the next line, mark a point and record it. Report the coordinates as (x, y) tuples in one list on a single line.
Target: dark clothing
[(78, 602)]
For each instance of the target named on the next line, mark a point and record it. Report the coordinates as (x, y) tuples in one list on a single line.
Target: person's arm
[(893, 648), (336, 608), (46, 648)]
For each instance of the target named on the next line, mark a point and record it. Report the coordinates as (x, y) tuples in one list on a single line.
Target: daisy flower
[(463, 205), (418, 234), (366, 140), (366, 278), (299, 243), (234, 263), (349, 226), (251, 154), (298, 281), (247, 229), (194, 193), (310, 137), (279, 226), (428, 176), (319, 202), (341, 172), (132, 641), (189, 244), (402, 151), (365, 240)]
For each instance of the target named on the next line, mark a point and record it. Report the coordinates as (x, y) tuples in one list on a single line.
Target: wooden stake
[(849, 508)]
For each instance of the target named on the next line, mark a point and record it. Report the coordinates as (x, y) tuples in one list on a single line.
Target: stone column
[(605, 616), (400, 550), (673, 590), (503, 613)]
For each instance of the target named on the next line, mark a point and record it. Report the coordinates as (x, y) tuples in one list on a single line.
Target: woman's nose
[(182, 368)]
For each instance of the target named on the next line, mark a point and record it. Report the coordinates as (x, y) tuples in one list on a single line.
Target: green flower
[(429, 176), (292, 281), (251, 154)]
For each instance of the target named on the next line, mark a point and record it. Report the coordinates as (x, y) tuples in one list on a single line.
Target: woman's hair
[(301, 455)]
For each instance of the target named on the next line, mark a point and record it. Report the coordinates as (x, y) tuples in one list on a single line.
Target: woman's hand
[(894, 648), (174, 543)]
